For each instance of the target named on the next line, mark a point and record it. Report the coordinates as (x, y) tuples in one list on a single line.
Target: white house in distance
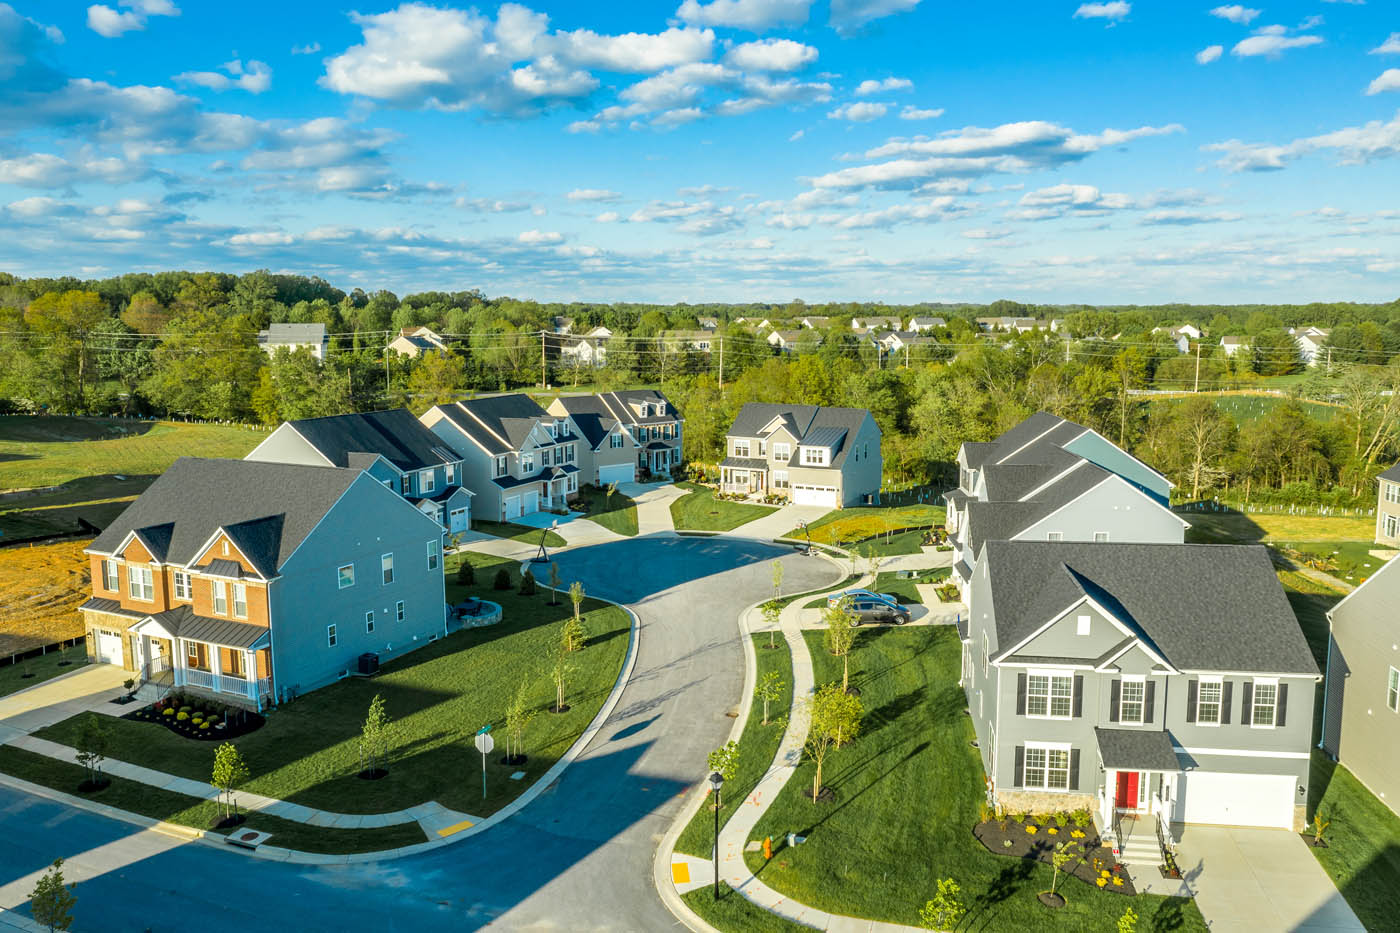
[(918, 325), (293, 337), (1180, 335), (1233, 345), (1311, 341), (415, 341)]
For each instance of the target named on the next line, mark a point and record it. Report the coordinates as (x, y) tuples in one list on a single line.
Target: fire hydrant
[(767, 848)]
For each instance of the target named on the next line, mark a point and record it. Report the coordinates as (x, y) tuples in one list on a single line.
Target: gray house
[(645, 415), (254, 582), (1048, 479), (1388, 508), (1361, 705), (392, 446), (814, 455), (1093, 683)]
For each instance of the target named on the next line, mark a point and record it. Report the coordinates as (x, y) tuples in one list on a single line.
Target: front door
[(1127, 795)]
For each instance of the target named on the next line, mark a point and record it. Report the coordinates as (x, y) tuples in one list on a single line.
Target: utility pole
[(1066, 348), (542, 364), (1329, 361), (1198, 368), (721, 366), (386, 368), (906, 356)]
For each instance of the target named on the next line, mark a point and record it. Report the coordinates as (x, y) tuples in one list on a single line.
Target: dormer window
[(554, 429), (501, 465), (813, 456)]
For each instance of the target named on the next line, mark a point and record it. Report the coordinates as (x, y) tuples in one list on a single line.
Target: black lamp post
[(716, 782)]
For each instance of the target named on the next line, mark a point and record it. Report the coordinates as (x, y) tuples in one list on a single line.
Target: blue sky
[(716, 150)]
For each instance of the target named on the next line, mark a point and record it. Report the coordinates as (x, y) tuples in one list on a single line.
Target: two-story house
[(1388, 508), (918, 324), (1361, 705), (392, 446), (293, 337), (1049, 479), (653, 444), (517, 458), (814, 455), (415, 341), (1093, 683), (257, 581)]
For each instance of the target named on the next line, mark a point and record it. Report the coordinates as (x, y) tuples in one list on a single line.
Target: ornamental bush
[(182, 716), (204, 725), (168, 711), (502, 579)]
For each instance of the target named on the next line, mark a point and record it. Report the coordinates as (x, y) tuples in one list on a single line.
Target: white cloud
[(935, 209), (796, 136), (1236, 13), (636, 52), (105, 21), (1391, 46), (771, 55), (1353, 145), (593, 194), (1068, 200), (311, 48), (983, 233), (491, 206), (866, 88), (1182, 218), (608, 217), (1209, 54), (1388, 80), (678, 91), (1272, 41), (859, 112), (254, 78), (1112, 11), (755, 15), (916, 113), (849, 15), (540, 237), (262, 238), (677, 117)]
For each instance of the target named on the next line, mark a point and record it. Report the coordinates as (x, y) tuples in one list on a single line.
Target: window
[(405, 484), (1100, 537), (1082, 625), (345, 575), (182, 584), (386, 566), (1047, 767), (547, 457), (527, 462), (433, 555), (1131, 701), (226, 549), (1208, 702), (569, 454), (1392, 492), (501, 465), (1054, 536), (1050, 695), (813, 456), (1265, 704), (763, 448), (220, 597), (139, 585), (780, 479), (449, 473), (240, 601), (110, 582), (426, 481), (782, 452), (330, 636), (615, 440), (398, 610), (1392, 526), (986, 655), (196, 655), (741, 448), (235, 663), (369, 622), (1392, 693)]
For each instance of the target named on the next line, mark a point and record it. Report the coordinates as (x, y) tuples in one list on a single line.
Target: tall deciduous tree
[(436, 379), (67, 322)]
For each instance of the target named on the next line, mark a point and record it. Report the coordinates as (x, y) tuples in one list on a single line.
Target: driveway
[(779, 522), (1249, 880), (578, 858)]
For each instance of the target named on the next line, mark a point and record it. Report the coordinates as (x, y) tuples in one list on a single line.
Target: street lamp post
[(716, 782)]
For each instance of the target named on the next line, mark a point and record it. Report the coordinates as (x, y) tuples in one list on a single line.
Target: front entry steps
[(1137, 841)]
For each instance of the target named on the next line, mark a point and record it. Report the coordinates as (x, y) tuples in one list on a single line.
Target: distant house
[(1388, 508), (1311, 343), (866, 324), (921, 324), (294, 336), (583, 352), (624, 432), (562, 325), (1181, 335), (1233, 345), (815, 323), (709, 323), (903, 341), (788, 340), (701, 341), (415, 341), (814, 455), (1011, 325), (252, 582), (1056, 325), (392, 446)]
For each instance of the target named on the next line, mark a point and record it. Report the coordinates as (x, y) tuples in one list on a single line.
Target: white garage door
[(529, 503), (1236, 799), (109, 647), (512, 507), (814, 495), (617, 473), (457, 520)]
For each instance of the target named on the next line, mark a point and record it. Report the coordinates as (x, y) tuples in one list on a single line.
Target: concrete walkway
[(653, 506)]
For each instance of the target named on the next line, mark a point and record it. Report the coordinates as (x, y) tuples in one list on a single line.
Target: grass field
[(1347, 560), (1255, 527), (618, 514), (522, 533), (437, 697), (903, 589), (36, 670), (732, 912), (907, 794), (1246, 409), (855, 523), (41, 588), (701, 511)]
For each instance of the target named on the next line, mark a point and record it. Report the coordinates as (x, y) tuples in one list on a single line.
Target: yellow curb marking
[(680, 873), (455, 828)]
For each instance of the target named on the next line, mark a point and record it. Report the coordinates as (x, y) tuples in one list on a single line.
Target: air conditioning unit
[(369, 663)]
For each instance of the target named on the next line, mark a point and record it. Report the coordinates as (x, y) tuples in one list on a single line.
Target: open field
[(41, 588), (1346, 560), (1246, 407), (862, 522), (1270, 527)]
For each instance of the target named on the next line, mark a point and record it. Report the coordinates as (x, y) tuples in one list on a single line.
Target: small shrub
[(168, 711), (182, 716), (527, 583), (502, 581), (214, 719), (204, 725), (1081, 817), (185, 709), (1061, 819), (466, 573), (1019, 817)]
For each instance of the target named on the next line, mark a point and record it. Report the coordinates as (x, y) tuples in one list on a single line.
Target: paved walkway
[(653, 506)]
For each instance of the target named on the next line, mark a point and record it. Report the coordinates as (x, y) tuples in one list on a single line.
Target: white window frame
[(369, 621), (782, 451), (180, 581), (1137, 680), (1054, 536), (986, 656), (527, 462), (1392, 492), (1219, 684), (399, 611), (741, 448), (140, 583), (427, 481), (502, 465), (340, 576), (1100, 537), (1272, 705), (813, 456), (111, 576), (1392, 692), (330, 636), (449, 473), (1050, 696), (1391, 524), (1083, 625), (1045, 749), (218, 597), (434, 558), (240, 600), (615, 440), (386, 568)]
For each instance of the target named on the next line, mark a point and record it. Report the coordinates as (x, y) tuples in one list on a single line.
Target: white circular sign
[(484, 743)]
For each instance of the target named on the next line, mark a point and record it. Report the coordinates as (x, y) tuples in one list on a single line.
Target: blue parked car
[(872, 607)]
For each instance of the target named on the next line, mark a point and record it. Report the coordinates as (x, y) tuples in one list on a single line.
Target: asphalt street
[(578, 858)]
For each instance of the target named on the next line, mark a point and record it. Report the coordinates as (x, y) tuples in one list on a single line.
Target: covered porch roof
[(181, 622), (1136, 750)]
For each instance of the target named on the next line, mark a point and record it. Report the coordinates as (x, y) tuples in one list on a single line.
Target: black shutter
[(1192, 687), (1021, 694), (1074, 769), (1282, 704), (1078, 696), (1226, 692), (1150, 701), (1019, 778), (1114, 693), (1247, 707)]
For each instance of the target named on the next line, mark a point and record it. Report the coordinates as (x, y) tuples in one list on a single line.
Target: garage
[(458, 520), (109, 647), (529, 503), (1236, 799), (616, 473), (815, 495), (512, 507)]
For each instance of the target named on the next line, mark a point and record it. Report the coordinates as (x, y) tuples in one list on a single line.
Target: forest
[(183, 345)]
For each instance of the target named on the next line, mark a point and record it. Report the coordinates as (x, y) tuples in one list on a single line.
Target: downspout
[(1322, 738), (271, 645)]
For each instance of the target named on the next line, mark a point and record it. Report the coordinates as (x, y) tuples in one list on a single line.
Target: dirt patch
[(1093, 862), (41, 588)]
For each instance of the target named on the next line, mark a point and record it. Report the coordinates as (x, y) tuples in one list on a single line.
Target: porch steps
[(1137, 844)]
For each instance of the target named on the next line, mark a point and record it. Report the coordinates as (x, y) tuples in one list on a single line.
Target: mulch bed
[(1311, 843), (232, 721), (1040, 845)]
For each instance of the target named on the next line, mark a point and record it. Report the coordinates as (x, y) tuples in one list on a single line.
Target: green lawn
[(1246, 409), (907, 794), (522, 533), (437, 696), (1363, 853), (178, 808), (854, 524), (757, 747), (1274, 527), (1347, 560), (701, 511), (43, 667), (903, 590), (618, 514), (733, 913)]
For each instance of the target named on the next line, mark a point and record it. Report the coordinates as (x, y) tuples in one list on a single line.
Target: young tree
[(560, 667), (230, 770), (608, 494), (527, 583), (51, 902), (92, 745), (554, 582), (777, 579), (518, 718), (841, 635), (725, 760), (466, 573), (772, 612), (835, 720), (945, 909), (1128, 922), (573, 634), (769, 690), (1059, 858), (873, 560), (374, 736), (576, 596)]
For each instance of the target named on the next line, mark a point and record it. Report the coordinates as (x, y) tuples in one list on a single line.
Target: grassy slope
[(1246, 408), (41, 588), (757, 746), (618, 516), (1235, 528), (522, 533), (701, 511), (438, 696), (732, 913), (201, 814), (862, 522), (908, 791)]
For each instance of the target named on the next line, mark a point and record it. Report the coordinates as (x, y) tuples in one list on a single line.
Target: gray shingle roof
[(292, 333), (268, 509), (1001, 520), (395, 435), (499, 423), (1212, 607), (824, 437), (1137, 749), (801, 421), (1392, 474)]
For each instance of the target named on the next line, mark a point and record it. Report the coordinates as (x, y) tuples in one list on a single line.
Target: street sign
[(484, 743)]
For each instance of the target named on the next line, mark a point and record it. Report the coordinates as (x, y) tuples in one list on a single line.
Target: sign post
[(484, 743)]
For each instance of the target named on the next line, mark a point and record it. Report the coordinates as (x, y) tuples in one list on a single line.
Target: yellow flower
[(1030, 830), (1104, 873), (1050, 831), (1076, 833), (1100, 881), (1118, 882)]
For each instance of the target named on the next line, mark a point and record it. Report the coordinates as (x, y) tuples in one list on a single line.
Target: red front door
[(1127, 797)]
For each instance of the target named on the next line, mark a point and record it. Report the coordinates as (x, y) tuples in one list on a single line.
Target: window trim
[(386, 574), (111, 575), (1101, 537), (1141, 680), (1047, 747), (1219, 702), (1392, 693), (340, 575), (1258, 682), (434, 554), (1083, 624), (399, 613), (181, 584), (1049, 695), (218, 596), (1054, 536), (140, 577), (235, 599), (427, 481), (331, 638), (369, 621)]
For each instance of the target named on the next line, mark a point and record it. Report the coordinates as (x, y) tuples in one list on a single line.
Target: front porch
[(229, 661), (738, 476), (1135, 797)]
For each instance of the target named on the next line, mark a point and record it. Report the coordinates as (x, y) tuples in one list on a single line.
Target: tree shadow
[(1012, 877)]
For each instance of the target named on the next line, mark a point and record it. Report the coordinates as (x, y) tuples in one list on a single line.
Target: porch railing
[(226, 683)]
